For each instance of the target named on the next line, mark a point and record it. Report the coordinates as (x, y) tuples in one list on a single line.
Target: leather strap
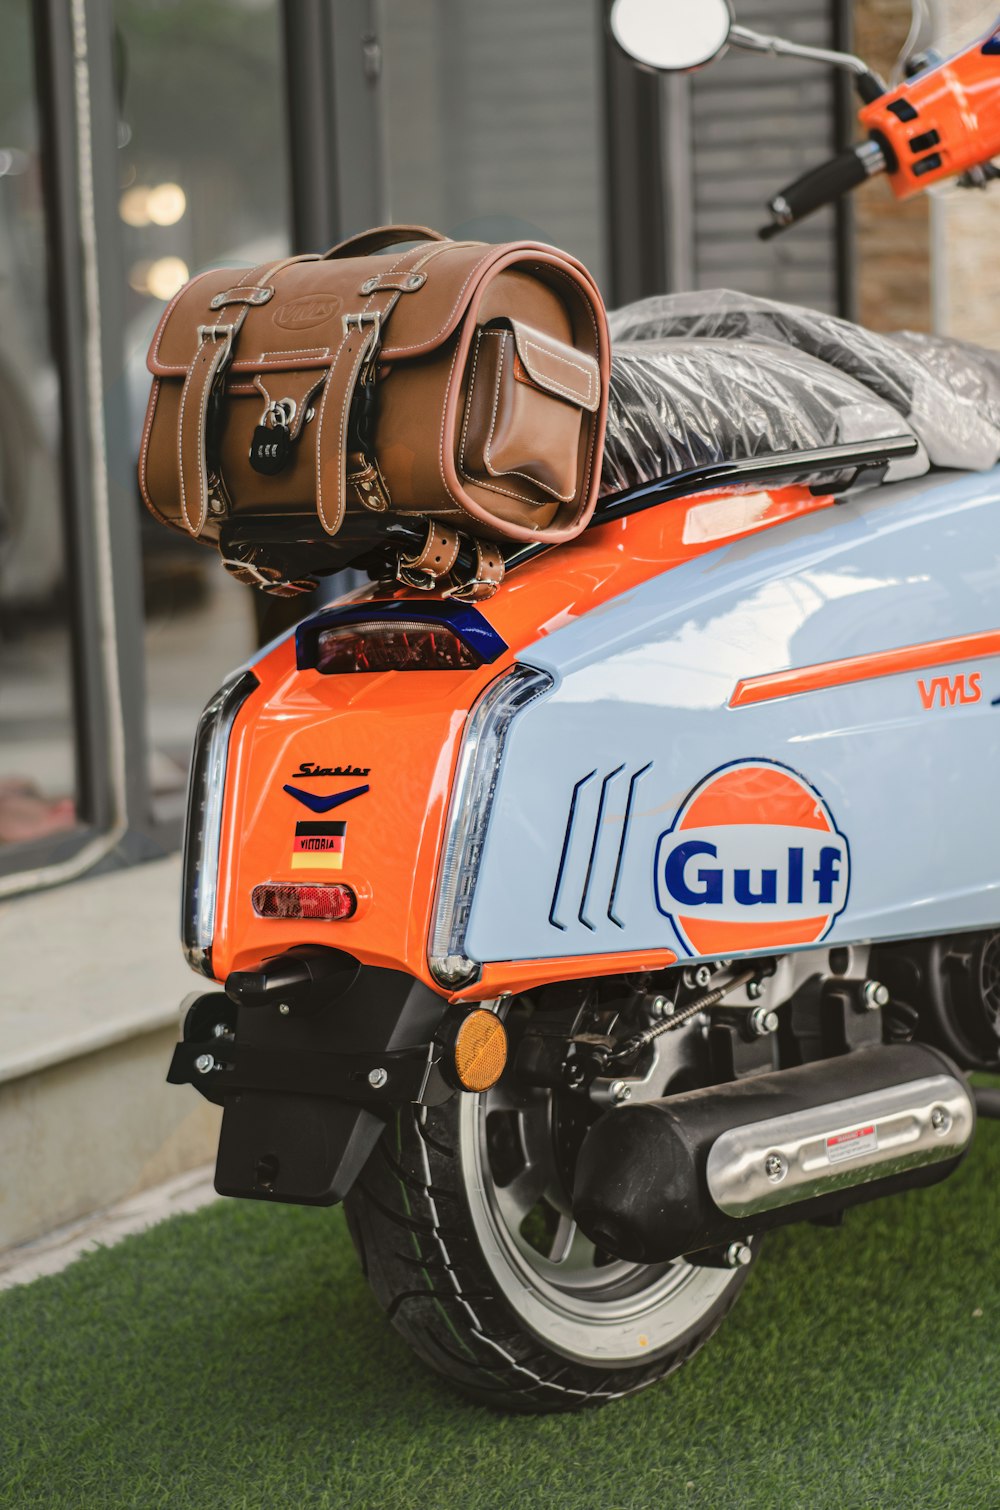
[(434, 561), (208, 367), (368, 242), (354, 361), (358, 349), (210, 362), (269, 579), (489, 575)]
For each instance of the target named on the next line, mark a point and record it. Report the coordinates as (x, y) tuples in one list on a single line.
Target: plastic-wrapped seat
[(717, 376)]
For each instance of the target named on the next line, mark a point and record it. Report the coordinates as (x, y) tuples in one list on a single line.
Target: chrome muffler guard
[(705, 1169), (765, 1165)]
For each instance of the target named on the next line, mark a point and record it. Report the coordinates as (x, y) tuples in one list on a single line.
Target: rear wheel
[(463, 1225)]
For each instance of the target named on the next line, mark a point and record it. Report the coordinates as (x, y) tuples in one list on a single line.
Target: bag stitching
[(512, 471), (585, 492), (495, 487), (293, 351), (392, 351), (554, 382), (201, 460), (164, 318), (342, 461), (147, 432), (444, 415)]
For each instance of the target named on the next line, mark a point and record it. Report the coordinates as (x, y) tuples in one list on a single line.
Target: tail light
[(397, 635), (324, 904), (387, 645)]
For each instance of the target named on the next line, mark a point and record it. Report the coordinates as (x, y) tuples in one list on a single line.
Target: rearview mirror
[(671, 36)]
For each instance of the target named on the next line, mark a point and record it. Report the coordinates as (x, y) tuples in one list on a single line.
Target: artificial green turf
[(236, 1358)]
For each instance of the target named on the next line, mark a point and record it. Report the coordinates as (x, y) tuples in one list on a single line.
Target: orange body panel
[(959, 101), (502, 976), (863, 668), (404, 728)]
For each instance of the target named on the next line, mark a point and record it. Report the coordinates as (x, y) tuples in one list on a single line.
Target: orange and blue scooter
[(576, 938)]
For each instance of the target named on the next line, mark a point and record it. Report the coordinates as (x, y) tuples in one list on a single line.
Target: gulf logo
[(753, 860)]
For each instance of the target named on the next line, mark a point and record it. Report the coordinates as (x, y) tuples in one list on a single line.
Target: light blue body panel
[(640, 706)]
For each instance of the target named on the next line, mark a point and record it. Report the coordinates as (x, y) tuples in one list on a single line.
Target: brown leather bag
[(461, 382)]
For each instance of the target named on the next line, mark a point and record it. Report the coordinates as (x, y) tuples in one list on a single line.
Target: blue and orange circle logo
[(753, 861)]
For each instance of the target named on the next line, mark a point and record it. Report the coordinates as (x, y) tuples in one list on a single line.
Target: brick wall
[(893, 240), (967, 221)]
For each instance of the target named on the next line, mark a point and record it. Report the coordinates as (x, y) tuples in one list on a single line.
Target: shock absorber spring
[(633, 1046)]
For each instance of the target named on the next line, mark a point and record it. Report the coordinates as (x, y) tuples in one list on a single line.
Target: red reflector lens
[(326, 904), (392, 645)]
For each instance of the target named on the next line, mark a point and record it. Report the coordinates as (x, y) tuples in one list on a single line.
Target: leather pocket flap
[(558, 367)]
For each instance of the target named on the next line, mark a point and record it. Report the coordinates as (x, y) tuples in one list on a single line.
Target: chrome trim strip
[(203, 827), (468, 818)]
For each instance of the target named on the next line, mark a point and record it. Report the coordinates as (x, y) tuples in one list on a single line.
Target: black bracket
[(220, 1066)]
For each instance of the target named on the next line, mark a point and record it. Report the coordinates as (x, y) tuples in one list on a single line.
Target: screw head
[(660, 1006), (940, 1120), (220, 1030), (377, 1078), (738, 1255), (204, 1063), (775, 1167), (763, 1020), (875, 995), (284, 1008), (620, 1091), (702, 976), (754, 990)]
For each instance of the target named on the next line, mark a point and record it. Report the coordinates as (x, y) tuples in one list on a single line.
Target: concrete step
[(91, 979)]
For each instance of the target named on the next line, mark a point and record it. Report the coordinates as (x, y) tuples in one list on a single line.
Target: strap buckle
[(369, 484), (420, 581), (359, 320), (216, 332)]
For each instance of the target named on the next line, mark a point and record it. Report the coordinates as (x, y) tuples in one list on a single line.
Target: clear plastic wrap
[(681, 404), (714, 376)]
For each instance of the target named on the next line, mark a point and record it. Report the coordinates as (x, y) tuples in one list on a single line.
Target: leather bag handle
[(366, 243)]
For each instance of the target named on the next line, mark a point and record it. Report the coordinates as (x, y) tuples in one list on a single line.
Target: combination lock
[(271, 445)]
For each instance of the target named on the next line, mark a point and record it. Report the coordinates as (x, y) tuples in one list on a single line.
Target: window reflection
[(37, 758), (203, 181), (509, 100)]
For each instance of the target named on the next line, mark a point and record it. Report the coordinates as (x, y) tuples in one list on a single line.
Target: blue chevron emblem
[(317, 804)]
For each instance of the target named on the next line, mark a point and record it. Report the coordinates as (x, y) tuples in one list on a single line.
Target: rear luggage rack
[(297, 548)]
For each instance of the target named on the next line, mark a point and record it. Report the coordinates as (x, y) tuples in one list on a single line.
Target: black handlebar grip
[(814, 189)]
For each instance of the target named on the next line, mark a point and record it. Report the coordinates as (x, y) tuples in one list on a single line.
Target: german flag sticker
[(319, 846)]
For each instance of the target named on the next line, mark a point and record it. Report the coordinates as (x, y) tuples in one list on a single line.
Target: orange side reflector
[(480, 1050)]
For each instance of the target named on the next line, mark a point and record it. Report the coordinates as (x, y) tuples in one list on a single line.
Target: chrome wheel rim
[(597, 1310)]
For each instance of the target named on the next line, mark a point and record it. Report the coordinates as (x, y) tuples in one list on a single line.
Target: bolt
[(620, 1091), (661, 1007), (875, 995), (940, 1120), (204, 1063), (702, 976), (754, 990), (377, 1078), (738, 1255), (775, 1167), (284, 1008), (220, 1030), (763, 1020)]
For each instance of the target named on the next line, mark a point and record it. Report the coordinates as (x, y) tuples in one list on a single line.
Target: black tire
[(416, 1233)]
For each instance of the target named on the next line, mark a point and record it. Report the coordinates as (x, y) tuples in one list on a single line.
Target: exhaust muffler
[(705, 1169)]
